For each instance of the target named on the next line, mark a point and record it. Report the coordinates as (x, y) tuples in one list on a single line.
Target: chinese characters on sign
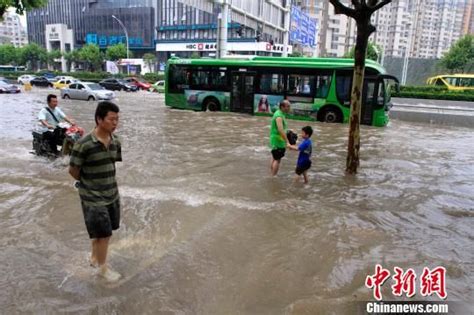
[(431, 282), (103, 40), (302, 28)]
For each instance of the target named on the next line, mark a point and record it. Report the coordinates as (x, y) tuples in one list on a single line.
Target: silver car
[(88, 91)]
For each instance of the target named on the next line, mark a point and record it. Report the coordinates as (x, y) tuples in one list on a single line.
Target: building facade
[(158, 25), (68, 12), (419, 28), (186, 27), (393, 23), (468, 20), (12, 31), (59, 37), (336, 33)]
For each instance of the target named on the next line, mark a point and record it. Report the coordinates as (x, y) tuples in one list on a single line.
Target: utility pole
[(411, 34), (126, 38), (286, 34), (222, 21)]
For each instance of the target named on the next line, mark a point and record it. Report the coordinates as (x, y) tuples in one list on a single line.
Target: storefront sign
[(231, 46), (54, 34), (104, 40)]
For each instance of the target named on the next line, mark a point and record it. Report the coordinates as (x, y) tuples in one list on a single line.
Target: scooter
[(65, 135)]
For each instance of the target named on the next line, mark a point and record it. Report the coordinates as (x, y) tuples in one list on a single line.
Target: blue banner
[(303, 29)]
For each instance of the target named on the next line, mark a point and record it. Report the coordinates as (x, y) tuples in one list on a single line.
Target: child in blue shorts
[(304, 158)]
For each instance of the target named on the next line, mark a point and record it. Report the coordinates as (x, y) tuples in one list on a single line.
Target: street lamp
[(126, 38)]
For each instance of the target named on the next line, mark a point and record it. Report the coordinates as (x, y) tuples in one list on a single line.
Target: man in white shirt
[(49, 118)]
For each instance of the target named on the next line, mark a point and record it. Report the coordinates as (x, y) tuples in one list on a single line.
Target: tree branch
[(378, 6), (356, 3), (372, 3), (371, 29), (339, 8)]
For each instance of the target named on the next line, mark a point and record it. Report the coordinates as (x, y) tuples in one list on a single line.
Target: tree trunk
[(352, 161)]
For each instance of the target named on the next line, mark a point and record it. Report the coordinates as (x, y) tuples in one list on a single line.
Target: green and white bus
[(318, 88)]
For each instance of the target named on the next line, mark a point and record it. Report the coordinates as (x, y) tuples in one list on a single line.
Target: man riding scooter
[(51, 119)]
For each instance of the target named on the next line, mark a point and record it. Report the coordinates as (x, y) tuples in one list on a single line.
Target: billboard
[(303, 29)]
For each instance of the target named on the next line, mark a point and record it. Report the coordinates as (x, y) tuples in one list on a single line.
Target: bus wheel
[(211, 104), (330, 114)]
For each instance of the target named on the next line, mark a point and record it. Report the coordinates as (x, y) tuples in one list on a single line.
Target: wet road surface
[(205, 230)]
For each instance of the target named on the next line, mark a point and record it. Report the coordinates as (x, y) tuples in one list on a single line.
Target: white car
[(88, 91), (62, 77), (26, 78)]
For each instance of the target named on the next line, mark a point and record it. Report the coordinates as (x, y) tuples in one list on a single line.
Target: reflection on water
[(205, 230)]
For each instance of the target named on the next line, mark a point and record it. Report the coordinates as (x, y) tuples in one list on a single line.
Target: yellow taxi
[(64, 83)]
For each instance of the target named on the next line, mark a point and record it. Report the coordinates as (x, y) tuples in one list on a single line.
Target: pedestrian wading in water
[(93, 164), (278, 140)]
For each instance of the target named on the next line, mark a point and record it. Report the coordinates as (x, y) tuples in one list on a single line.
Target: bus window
[(343, 88), (300, 84), (271, 83), (205, 79), (466, 82), (452, 81), (381, 94), (180, 78), (322, 86), (370, 93)]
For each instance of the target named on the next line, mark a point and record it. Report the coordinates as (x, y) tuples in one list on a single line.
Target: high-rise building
[(437, 24), (425, 28), (468, 20), (392, 22), (12, 31)]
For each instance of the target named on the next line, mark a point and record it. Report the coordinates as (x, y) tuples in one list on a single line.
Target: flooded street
[(206, 230)]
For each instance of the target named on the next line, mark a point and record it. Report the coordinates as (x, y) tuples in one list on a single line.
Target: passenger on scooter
[(49, 119)]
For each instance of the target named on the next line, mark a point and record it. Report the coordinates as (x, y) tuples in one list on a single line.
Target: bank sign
[(53, 35), (104, 41), (302, 28)]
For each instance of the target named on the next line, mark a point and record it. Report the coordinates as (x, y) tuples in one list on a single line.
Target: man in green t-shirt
[(278, 140)]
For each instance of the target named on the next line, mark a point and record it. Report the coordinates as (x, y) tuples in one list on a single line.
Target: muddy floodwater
[(206, 230)]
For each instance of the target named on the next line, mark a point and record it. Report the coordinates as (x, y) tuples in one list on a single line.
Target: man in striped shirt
[(93, 164)]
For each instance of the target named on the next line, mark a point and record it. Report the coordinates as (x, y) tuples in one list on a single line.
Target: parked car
[(41, 81), (158, 87), (140, 84), (26, 78), (118, 85), (64, 83), (86, 91), (8, 88)]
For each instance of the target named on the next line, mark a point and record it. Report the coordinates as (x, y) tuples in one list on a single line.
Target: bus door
[(368, 100), (375, 96), (243, 90)]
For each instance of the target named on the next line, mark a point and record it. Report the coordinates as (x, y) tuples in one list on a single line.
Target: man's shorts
[(101, 220), (278, 153), (300, 169)]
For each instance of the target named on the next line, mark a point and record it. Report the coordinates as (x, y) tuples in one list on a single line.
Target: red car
[(142, 85)]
